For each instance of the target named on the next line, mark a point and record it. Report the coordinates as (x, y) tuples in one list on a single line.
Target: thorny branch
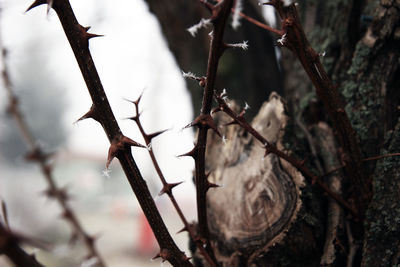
[(120, 148), (10, 244), (167, 187), (37, 155), (294, 38), (220, 14)]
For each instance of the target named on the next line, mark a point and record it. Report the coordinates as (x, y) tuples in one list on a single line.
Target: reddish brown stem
[(78, 38), (297, 42), (167, 187), (220, 14), (9, 246)]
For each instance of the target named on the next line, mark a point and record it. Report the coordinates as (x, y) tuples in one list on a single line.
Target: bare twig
[(100, 111), (167, 187)]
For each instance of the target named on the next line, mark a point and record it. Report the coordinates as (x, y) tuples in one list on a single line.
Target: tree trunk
[(248, 76), (265, 214)]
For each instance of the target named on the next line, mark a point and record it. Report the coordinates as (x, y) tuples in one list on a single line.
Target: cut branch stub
[(119, 144), (260, 197)]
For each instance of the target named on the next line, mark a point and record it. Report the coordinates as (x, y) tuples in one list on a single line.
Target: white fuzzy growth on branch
[(236, 16), (282, 40), (190, 75), (243, 45), (202, 24)]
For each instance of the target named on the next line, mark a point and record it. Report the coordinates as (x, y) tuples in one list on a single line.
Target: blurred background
[(144, 43)]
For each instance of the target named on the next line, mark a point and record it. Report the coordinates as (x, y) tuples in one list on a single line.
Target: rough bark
[(361, 42)]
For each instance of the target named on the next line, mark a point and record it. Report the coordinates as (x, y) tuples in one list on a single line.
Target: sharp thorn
[(151, 136), (167, 188), (91, 114), (184, 229), (192, 153), (35, 4)]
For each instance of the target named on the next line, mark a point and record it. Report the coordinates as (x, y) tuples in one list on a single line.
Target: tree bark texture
[(264, 214)]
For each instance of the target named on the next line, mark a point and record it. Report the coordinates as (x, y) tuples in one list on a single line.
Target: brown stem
[(167, 187), (9, 246), (78, 38), (220, 14), (296, 41)]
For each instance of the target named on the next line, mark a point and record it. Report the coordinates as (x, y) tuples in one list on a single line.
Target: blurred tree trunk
[(361, 40), (248, 76)]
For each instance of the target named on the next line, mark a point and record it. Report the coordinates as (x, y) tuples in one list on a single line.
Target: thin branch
[(220, 14), (9, 246), (167, 187), (295, 39), (78, 38)]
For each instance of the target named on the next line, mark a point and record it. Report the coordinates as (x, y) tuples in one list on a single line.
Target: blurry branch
[(167, 187), (10, 244), (36, 154), (78, 37)]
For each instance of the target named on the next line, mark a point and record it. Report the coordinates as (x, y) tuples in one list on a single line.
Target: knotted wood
[(259, 196)]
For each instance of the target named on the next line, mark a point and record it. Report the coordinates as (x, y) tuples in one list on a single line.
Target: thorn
[(211, 185), (119, 144), (184, 229), (164, 254), (92, 35), (35, 4), (192, 153), (204, 120), (233, 122), (151, 136), (91, 114), (267, 147), (217, 109), (167, 188)]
